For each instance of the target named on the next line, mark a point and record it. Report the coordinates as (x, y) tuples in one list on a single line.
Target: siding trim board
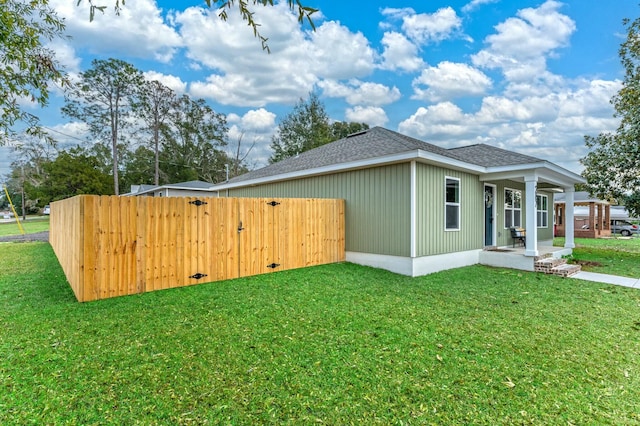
[(413, 209)]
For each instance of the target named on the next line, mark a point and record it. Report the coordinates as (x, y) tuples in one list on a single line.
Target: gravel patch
[(37, 236)]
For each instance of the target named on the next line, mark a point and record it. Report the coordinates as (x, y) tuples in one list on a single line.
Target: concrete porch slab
[(514, 258)]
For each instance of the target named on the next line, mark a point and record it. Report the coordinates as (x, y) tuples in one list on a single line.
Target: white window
[(542, 211), (512, 208), (452, 204)]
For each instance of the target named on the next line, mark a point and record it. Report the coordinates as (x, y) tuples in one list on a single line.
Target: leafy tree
[(194, 139), (75, 171), (155, 106), (307, 127), (104, 99), (138, 166), (342, 129), (27, 67), (612, 167)]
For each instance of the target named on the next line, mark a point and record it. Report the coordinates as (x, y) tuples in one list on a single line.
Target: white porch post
[(531, 184), (568, 215)]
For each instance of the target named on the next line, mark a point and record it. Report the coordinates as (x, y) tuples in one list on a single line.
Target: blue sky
[(531, 76)]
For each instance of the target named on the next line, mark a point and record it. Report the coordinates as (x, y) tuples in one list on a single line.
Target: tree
[(27, 66), (193, 141), (342, 129), (307, 127), (103, 99), (612, 166), (238, 158), (73, 172), (154, 107)]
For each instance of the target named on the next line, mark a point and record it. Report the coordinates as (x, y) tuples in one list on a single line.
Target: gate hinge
[(273, 203), (273, 265), (197, 276), (198, 203)]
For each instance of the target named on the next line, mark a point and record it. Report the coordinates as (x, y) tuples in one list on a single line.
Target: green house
[(415, 208)]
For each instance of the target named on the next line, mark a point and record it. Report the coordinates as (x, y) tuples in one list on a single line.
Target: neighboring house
[(592, 216), (416, 208), (192, 188)]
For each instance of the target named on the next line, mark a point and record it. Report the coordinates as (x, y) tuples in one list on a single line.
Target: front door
[(489, 205)]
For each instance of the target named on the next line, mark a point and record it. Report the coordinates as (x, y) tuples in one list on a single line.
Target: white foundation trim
[(417, 266)]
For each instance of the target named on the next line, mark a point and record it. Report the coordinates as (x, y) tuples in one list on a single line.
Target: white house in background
[(193, 188)]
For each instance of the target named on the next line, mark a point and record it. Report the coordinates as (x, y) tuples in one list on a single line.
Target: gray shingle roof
[(379, 142), (490, 156), (194, 184)]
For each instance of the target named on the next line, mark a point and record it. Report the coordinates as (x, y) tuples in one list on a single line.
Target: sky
[(534, 77)]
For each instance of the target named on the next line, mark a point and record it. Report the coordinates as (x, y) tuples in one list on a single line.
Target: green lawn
[(30, 226), (617, 256), (335, 344)]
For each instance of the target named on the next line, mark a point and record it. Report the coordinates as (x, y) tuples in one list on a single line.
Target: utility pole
[(24, 214)]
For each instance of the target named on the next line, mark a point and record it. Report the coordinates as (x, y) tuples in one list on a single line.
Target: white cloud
[(69, 134), (426, 28), (244, 75), (253, 131), (139, 31), (399, 53), (520, 44), (171, 81), (254, 120), (550, 126), (474, 4), (373, 116), (65, 55), (357, 92), (450, 80)]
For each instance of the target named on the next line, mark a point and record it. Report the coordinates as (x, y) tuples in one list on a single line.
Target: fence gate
[(119, 245)]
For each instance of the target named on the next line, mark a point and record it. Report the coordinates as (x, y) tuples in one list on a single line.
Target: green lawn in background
[(30, 226), (334, 344), (616, 256)]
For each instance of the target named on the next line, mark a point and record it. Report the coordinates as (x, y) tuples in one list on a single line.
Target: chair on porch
[(520, 235)]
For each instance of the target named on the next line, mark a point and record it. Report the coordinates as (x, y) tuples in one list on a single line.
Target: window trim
[(456, 204), (512, 209), (544, 212)]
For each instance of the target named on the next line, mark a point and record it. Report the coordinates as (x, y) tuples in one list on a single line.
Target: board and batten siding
[(377, 204), (431, 236), (546, 234)]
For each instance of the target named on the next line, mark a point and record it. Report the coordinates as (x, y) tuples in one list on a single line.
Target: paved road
[(38, 236)]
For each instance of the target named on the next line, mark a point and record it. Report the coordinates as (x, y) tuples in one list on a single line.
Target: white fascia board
[(545, 171), (420, 155), (450, 163)]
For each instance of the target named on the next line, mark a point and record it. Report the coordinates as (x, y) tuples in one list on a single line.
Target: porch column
[(531, 184), (570, 221)]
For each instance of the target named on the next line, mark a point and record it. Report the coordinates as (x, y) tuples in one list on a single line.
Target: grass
[(616, 256), (335, 344), (31, 225)]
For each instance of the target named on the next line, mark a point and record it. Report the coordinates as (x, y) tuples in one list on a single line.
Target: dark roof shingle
[(379, 142)]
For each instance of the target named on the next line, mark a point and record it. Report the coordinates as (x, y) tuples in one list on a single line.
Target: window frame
[(542, 213), (457, 204), (509, 211)]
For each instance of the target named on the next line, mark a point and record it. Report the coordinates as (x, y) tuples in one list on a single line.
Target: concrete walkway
[(608, 279)]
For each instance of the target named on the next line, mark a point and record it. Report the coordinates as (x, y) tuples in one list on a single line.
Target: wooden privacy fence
[(114, 246)]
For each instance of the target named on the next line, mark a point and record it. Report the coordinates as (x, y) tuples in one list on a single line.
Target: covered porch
[(595, 223), (536, 176)]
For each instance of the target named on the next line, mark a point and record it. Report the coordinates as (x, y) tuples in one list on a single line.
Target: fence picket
[(111, 246)]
